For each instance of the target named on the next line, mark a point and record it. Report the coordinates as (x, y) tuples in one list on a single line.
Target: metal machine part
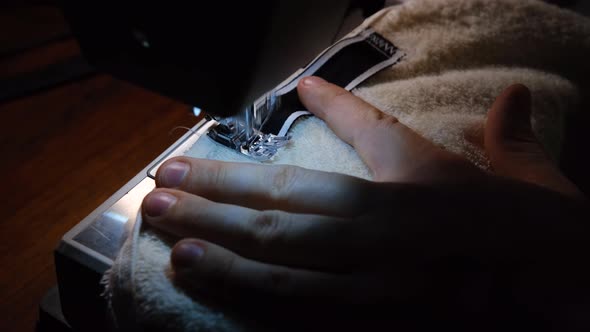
[(242, 131), (245, 139)]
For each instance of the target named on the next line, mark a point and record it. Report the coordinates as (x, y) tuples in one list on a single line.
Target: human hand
[(429, 219)]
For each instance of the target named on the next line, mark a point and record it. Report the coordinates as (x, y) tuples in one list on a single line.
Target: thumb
[(512, 147)]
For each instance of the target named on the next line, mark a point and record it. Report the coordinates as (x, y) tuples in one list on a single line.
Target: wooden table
[(65, 149)]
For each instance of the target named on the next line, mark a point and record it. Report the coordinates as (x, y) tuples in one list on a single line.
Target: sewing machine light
[(196, 111)]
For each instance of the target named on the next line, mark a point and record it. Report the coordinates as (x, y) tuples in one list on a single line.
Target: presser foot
[(254, 144)]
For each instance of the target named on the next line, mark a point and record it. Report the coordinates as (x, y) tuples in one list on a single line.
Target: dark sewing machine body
[(220, 58)]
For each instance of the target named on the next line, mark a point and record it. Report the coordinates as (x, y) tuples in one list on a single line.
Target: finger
[(207, 267), (279, 237), (390, 149), (263, 187), (512, 147)]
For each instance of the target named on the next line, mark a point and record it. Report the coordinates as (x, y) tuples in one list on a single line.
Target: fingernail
[(173, 174), (156, 204), (311, 81), (186, 254)]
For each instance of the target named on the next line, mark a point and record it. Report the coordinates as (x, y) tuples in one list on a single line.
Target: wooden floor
[(64, 149)]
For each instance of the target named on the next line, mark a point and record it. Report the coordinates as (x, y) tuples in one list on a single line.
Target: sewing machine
[(229, 59)]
